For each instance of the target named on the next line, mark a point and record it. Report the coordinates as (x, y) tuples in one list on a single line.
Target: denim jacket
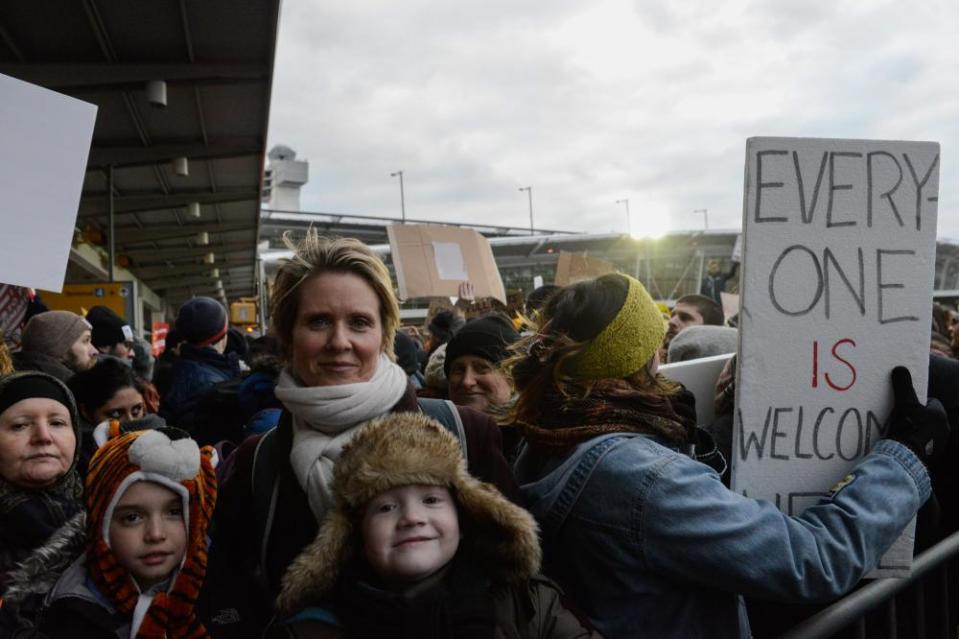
[(647, 540)]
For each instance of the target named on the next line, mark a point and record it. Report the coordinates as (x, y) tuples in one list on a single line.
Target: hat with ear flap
[(404, 449), (168, 457)]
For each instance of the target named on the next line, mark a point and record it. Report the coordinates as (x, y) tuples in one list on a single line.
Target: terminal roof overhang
[(216, 57)]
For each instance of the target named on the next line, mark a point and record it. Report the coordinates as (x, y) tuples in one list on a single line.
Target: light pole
[(629, 226), (402, 195), (529, 192), (705, 218)]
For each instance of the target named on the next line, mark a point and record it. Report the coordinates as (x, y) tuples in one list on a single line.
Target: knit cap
[(406, 352), (694, 342), (444, 325), (403, 449), (627, 343), (202, 321), (166, 456), (53, 333), (487, 337), (108, 327)]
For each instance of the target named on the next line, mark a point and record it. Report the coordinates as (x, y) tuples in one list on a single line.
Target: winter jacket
[(50, 596), (237, 598), (195, 372), (642, 536), (37, 361), (529, 611), (75, 609)]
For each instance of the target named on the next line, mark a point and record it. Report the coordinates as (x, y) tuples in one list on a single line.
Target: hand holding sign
[(924, 429)]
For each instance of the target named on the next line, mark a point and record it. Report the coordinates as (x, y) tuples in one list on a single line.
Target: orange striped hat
[(168, 457)]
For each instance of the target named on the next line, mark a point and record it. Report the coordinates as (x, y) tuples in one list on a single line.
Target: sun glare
[(651, 223)]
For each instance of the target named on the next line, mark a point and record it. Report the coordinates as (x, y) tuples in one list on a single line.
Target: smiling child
[(415, 546)]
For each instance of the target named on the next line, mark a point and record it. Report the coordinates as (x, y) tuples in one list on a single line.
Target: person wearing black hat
[(112, 336), (201, 365), (472, 359), (40, 488)]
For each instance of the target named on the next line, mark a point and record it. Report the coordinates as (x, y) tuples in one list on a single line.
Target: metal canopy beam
[(132, 155), (85, 77), (137, 204), (173, 253), (130, 235), (153, 272)]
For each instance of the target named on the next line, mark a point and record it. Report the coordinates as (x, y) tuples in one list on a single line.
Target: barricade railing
[(928, 585)]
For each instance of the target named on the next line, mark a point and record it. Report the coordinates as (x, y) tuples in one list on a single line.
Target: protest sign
[(838, 260), (572, 268), (432, 260), (14, 301), (699, 377), (46, 139)]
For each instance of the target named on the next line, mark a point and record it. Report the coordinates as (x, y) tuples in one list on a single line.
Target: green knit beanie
[(627, 343)]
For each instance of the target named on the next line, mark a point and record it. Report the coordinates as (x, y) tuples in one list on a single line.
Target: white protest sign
[(839, 253), (699, 376), (46, 140)]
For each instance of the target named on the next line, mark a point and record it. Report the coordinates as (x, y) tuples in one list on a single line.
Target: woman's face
[(37, 442), (126, 404), (337, 334), (477, 383)]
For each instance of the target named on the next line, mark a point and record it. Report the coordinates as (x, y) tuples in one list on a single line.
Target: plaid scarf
[(605, 406)]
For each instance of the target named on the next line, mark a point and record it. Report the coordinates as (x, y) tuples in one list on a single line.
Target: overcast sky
[(592, 101)]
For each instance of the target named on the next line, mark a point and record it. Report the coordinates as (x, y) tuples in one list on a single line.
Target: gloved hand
[(924, 429)]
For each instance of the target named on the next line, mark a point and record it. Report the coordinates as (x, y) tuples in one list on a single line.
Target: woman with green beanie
[(642, 535)]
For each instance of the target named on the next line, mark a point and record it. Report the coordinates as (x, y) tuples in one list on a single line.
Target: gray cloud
[(593, 102)]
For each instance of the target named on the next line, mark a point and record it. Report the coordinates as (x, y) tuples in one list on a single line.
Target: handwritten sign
[(839, 254)]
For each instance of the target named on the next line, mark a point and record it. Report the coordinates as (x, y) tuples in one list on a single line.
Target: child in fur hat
[(416, 547), (149, 496)]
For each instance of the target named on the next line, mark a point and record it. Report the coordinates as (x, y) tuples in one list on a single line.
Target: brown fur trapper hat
[(399, 450)]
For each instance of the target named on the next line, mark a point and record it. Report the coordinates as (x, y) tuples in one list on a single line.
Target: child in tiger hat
[(416, 547), (149, 497)]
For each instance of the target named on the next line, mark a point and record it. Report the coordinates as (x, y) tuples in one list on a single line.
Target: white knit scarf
[(325, 419)]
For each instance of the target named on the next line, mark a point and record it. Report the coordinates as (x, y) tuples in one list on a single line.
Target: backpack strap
[(266, 490), (446, 413)]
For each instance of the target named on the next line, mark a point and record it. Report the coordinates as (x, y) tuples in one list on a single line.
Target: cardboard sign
[(432, 260), (572, 268), (839, 252), (699, 377), (46, 139)]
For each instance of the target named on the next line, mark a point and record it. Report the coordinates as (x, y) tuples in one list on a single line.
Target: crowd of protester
[(489, 474)]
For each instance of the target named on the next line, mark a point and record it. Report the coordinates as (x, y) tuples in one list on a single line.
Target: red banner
[(160, 330)]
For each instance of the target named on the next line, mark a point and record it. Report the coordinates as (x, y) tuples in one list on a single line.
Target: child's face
[(410, 532), (147, 532)]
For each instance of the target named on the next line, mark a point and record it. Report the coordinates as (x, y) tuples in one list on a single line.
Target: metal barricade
[(929, 586)]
